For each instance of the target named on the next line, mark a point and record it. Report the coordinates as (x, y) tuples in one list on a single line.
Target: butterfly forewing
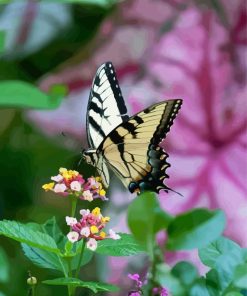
[(106, 107), (132, 149)]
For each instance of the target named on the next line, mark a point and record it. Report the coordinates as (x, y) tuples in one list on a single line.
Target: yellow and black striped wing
[(132, 149)]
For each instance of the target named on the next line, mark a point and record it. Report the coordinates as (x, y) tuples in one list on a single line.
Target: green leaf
[(4, 267), (233, 294), (87, 255), (212, 282), (223, 255), (240, 276), (165, 278), (125, 246), (51, 228), (44, 259), (145, 219), (21, 94), (94, 286), (185, 272), (2, 41), (195, 229), (221, 247), (199, 288), (22, 233)]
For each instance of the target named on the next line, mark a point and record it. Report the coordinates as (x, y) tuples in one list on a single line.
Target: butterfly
[(129, 146)]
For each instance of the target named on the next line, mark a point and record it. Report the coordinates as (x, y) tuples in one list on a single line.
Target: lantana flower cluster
[(160, 291), (70, 182), (90, 227)]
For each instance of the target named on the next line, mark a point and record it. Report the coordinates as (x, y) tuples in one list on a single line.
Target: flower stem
[(70, 289), (74, 200), (80, 259), (157, 257)]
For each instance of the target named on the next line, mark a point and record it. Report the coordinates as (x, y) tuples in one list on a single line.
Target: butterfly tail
[(154, 180)]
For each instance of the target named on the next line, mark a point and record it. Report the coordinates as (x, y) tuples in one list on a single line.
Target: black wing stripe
[(96, 126), (105, 98), (170, 113), (111, 74)]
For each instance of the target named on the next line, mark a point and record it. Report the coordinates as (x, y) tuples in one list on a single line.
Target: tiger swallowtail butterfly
[(129, 146)]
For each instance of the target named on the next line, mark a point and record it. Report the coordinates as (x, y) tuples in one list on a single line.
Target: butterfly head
[(90, 156)]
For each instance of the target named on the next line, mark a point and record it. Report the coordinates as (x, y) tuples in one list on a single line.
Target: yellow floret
[(94, 229), (102, 234), (62, 170), (105, 219), (98, 179), (96, 211), (102, 192), (48, 186)]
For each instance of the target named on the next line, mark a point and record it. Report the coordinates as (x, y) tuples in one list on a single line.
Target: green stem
[(70, 289), (74, 200), (157, 257), (33, 290), (80, 259)]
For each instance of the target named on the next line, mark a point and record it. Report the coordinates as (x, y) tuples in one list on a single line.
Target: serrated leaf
[(51, 228), (195, 229), (125, 246), (146, 218), (87, 256), (21, 94), (93, 286), (22, 233), (44, 259)]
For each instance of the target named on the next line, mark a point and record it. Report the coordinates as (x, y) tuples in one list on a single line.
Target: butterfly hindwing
[(106, 107), (132, 149)]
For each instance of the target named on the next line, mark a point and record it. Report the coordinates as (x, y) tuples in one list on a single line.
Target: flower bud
[(32, 281)]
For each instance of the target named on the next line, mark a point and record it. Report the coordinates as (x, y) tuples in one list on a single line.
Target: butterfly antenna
[(169, 189), (79, 162)]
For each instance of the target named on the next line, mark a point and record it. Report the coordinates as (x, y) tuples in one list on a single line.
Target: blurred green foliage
[(27, 157)]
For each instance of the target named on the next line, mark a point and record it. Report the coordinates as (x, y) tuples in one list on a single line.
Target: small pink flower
[(73, 236), (87, 195), (160, 291), (75, 185), (91, 182), (84, 212), (59, 188), (92, 244), (80, 179), (85, 231), (57, 178), (70, 221), (113, 235), (134, 277), (136, 293)]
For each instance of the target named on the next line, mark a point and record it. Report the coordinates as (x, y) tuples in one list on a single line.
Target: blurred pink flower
[(208, 141), (124, 38), (207, 144)]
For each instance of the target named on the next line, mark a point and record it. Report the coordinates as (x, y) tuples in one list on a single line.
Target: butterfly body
[(129, 146)]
